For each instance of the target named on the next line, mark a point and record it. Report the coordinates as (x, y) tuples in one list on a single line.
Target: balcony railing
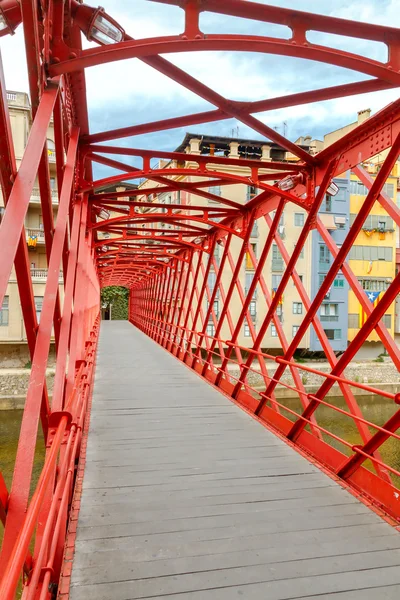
[(324, 265), (35, 234), (329, 317), (41, 274), (35, 195)]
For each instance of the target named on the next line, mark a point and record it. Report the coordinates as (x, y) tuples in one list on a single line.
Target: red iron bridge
[(165, 473)]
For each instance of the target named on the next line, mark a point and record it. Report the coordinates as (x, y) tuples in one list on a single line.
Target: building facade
[(372, 258)]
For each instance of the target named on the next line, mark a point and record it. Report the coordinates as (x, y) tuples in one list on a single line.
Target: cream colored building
[(12, 331), (291, 312)]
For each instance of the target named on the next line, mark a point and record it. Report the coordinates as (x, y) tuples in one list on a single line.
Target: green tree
[(116, 296)]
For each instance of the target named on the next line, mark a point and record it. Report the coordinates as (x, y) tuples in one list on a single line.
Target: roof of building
[(247, 148), (115, 186)]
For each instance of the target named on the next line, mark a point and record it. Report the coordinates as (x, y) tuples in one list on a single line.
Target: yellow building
[(373, 256)]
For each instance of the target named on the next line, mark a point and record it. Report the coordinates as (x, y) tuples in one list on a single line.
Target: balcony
[(35, 236), (40, 275), (35, 196), (329, 318), (324, 265)]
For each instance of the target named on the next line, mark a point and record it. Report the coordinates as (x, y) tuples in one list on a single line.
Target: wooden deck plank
[(186, 496)]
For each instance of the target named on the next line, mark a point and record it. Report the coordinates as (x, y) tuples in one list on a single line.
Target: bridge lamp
[(97, 25), (289, 182), (10, 16), (104, 214), (332, 189)]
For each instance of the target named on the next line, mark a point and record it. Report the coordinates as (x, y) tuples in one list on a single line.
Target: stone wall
[(14, 385)]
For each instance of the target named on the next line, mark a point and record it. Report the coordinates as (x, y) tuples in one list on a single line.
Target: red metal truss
[(179, 258)]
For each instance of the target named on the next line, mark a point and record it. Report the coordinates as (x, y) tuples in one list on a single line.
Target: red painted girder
[(59, 378), (146, 49), (18, 202), (368, 139), (8, 171), (292, 18), (282, 286), (168, 207), (303, 202), (28, 433), (152, 175), (369, 325), (337, 91), (346, 390), (253, 286), (136, 224), (197, 158), (190, 186)]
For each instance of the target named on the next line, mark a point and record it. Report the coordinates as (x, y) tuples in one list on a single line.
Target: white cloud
[(132, 90)]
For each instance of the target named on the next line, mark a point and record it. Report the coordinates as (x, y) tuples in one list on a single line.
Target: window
[(299, 219), (328, 203), (375, 222), (1, 213), (254, 231), (211, 281), (4, 311), (295, 329), (274, 333), (333, 334), (210, 329), (251, 192), (253, 308), (371, 253), (357, 188), (279, 310), (215, 189), (276, 279), (178, 197), (297, 308), (324, 255), (388, 188), (329, 312), (329, 309), (374, 284), (387, 321), (38, 307), (277, 260), (247, 330), (248, 281), (338, 282), (214, 310)]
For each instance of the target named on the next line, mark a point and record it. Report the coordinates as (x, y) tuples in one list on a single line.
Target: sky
[(129, 92)]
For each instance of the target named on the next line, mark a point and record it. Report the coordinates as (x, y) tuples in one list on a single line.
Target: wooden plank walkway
[(187, 497)]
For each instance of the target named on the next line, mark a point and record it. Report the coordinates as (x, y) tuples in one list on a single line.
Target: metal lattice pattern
[(165, 254)]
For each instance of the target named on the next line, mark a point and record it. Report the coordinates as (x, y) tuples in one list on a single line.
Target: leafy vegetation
[(116, 296)]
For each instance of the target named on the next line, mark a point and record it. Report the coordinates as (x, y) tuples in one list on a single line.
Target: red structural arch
[(167, 270)]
